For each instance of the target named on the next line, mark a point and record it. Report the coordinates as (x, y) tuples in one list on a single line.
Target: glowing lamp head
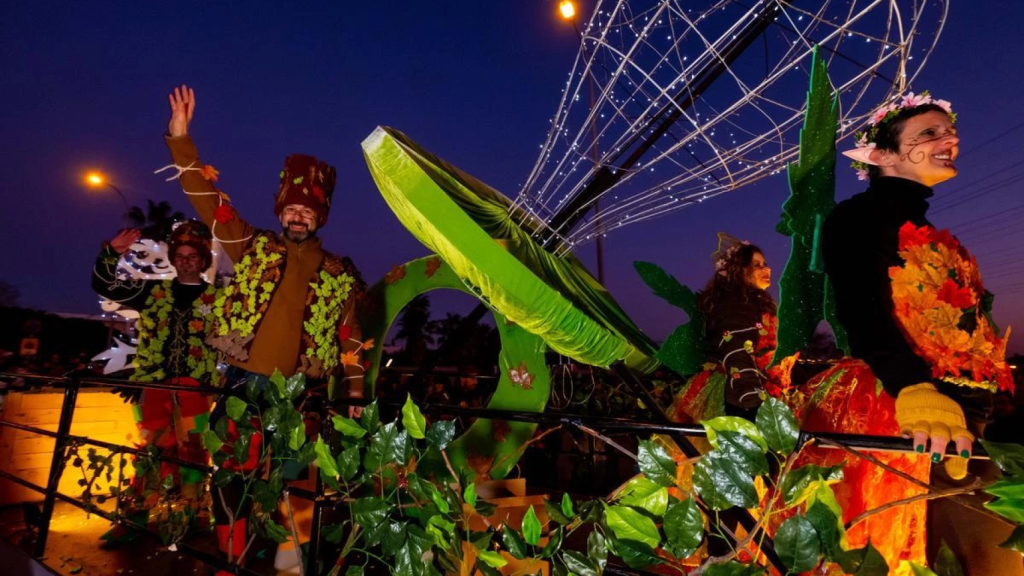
[(567, 9), (94, 179)]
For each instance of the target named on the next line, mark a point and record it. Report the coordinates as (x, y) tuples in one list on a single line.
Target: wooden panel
[(98, 414)]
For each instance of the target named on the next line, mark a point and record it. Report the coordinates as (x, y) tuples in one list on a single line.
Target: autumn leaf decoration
[(209, 172), (939, 302), (521, 376)]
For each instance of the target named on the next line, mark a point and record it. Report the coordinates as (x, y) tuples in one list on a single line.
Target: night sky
[(475, 82)]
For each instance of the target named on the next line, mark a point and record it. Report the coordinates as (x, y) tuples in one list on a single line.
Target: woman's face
[(928, 150), (758, 274)]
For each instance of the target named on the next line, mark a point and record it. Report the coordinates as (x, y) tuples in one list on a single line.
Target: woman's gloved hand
[(926, 414)]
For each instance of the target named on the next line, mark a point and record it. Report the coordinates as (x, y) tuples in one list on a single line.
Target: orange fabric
[(854, 404)]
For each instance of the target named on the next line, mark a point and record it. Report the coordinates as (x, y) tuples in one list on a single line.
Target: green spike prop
[(684, 350), (805, 296)]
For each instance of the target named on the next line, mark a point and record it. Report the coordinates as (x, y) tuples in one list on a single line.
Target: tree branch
[(972, 487)]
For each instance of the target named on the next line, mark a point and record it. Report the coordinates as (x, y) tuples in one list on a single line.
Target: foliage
[(417, 525)]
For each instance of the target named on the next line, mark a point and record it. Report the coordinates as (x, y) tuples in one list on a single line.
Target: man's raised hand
[(183, 106)]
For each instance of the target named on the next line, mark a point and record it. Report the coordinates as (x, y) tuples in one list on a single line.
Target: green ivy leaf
[(918, 570), (441, 531), (1015, 541), (348, 463), (579, 564), (492, 559), (946, 562), (554, 543), (597, 550), (567, 506), (296, 437), (743, 451), (642, 493), (481, 540), (797, 543), (555, 513), (383, 448), (733, 424), (799, 484), (211, 441), (684, 528), (513, 542), (777, 424), (353, 570), (334, 533), (469, 494), (628, 524), (1010, 508), (531, 527), (235, 408), (440, 434), (371, 417), (830, 531), (1007, 488), (637, 554), (440, 502), (1009, 457), (418, 540), (277, 379), (348, 427), (405, 565), (324, 460), (656, 464), (866, 561), (393, 537), (412, 419), (722, 484)]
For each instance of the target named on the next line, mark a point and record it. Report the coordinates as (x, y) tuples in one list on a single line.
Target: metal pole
[(67, 413)]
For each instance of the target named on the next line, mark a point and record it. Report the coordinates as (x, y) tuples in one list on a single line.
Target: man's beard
[(298, 235)]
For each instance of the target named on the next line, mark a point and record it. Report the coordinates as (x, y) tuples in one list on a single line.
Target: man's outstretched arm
[(197, 179)]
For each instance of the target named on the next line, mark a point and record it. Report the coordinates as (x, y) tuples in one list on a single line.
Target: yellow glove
[(925, 413)]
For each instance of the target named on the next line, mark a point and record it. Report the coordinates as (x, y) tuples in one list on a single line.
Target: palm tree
[(156, 220), (416, 329)]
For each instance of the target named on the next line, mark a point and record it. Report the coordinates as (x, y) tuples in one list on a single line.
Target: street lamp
[(97, 180), (568, 11)]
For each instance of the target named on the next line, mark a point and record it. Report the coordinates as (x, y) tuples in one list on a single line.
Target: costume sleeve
[(735, 334), (213, 207), (129, 293), (857, 260)]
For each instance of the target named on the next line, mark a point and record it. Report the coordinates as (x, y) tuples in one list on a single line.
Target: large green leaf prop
[(684, 351), (805, 297), (489, 244), (520, 351)]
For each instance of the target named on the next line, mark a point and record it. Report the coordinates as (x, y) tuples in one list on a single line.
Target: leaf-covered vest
[(154, 329), (242, 305)]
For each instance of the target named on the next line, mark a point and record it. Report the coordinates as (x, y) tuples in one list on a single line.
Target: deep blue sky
[(475, 82)]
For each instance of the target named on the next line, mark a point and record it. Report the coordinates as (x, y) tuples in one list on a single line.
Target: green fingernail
[(936, 457), (919, 448), (965, 454)]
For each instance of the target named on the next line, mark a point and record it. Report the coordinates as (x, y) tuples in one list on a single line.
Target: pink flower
[(878, 115), (862, 141), (911, 100), (945, 105), (862, 174)]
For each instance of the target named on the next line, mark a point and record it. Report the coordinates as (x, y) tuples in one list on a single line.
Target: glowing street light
[(98, 180), (567, 9)]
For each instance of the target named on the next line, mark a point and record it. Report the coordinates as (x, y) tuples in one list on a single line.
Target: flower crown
[(866, 139), (724, 256)]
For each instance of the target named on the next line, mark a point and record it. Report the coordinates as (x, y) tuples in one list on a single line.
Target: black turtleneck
[(860, 243)]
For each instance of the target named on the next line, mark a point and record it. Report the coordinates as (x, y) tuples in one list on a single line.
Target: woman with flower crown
[(927, 356), (740, 334)]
